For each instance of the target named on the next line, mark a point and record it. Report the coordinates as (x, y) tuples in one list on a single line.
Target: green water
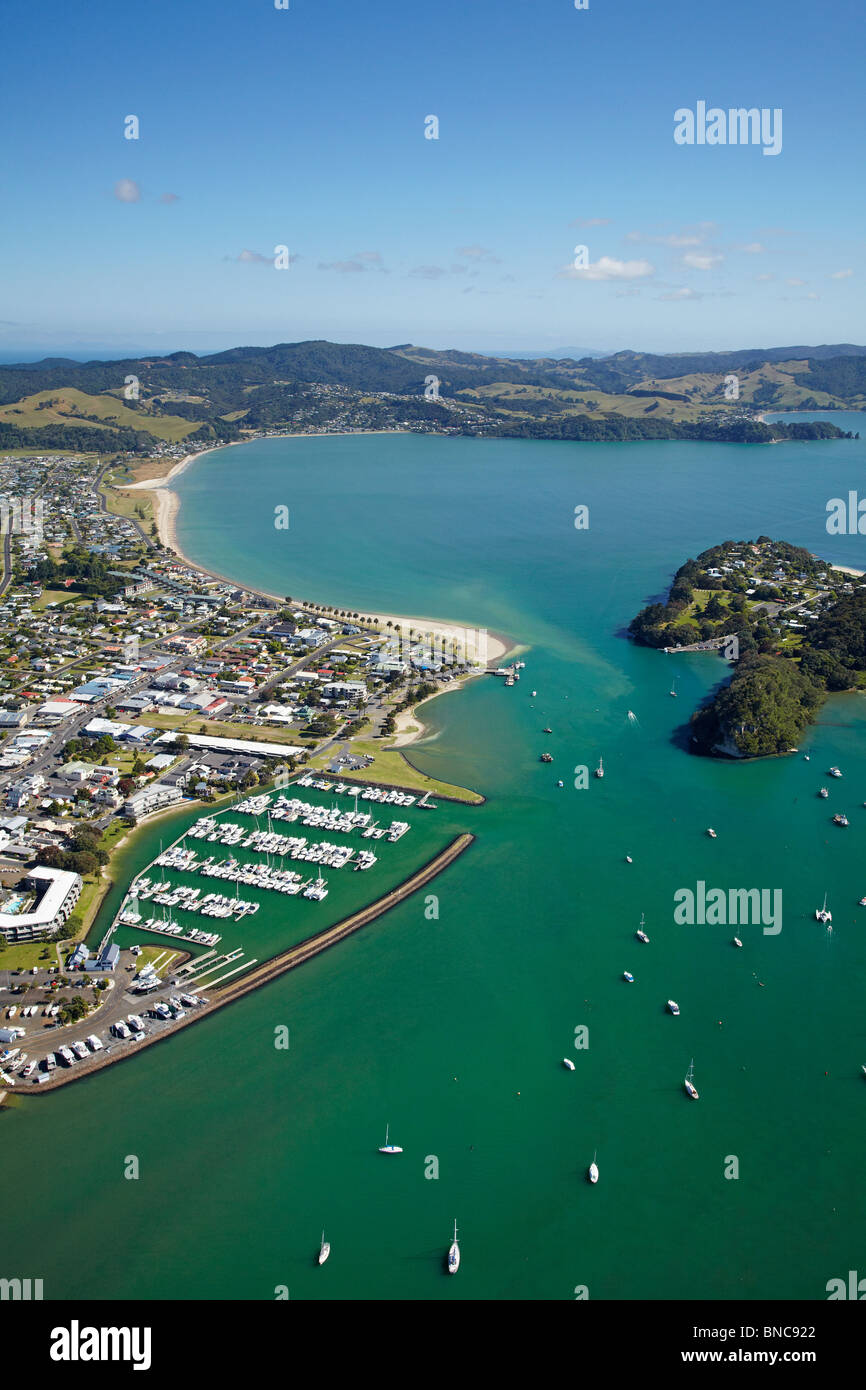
[(453, 1029)]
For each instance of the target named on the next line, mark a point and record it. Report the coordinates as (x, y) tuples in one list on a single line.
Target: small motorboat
[(840, 819), (560, 784), (547, 731), (628, 859), (592, 1171), (673, 1007), (824, 792), (567, 1062), (863, 902), (805, 757), (546, 758), (737, 941), (627, 975), (712, 834), (834, 772), (532, 694)]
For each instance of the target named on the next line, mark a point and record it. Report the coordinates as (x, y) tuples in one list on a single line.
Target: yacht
[(533, 693), (824, 792), (567, 1062), (712, 834), (863, 902), (387, 1148), (592, 1172), (737, 941), (599, 771), (640, 933), (689, 1081), (628, 859), (454, 1254), (673, 689), (840, 819), (627, 975), (547, 731), (834, 772), (674, 1007), (324, 1249), (822, 914)]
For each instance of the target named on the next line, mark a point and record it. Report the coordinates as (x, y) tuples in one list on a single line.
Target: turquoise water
[(452, 1027)]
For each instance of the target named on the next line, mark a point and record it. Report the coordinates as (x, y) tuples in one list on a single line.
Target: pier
[(270, 970)]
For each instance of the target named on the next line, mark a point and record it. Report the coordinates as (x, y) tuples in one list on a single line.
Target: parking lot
[(27, 1060)]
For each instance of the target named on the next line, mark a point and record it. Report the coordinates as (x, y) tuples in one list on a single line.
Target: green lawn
[(391, 767), (25, 956)]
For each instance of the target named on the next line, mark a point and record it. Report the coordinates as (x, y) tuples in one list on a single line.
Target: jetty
[(271, 969)]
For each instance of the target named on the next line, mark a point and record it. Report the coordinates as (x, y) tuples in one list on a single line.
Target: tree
[(182, 743)]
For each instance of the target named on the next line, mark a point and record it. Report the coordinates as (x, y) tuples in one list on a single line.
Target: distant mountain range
[(129, 403)]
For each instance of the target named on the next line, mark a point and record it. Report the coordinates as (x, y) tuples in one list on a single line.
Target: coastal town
[(134, 683)]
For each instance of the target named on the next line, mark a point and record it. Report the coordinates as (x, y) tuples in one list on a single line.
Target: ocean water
[(452, 1028)]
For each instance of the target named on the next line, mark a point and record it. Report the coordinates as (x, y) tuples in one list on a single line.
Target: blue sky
[(305, 128)]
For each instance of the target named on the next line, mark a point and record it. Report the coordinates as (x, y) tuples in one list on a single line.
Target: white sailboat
[(689, 1081), (454, 1254), (324, 1249), (673, 689), (640, 933), (592, 1171), (387, 1148), (599, 771)]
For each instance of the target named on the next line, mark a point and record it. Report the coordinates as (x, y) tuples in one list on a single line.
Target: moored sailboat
[(387, 1148), (454, 1254), (689, 1083), (324, 1249)]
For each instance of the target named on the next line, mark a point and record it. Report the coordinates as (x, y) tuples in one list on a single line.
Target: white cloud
[(795, 283), (841, 274), (590, 222), (681, 294), (428, 272), (477, 253), (606, 268), (677, 239), (753, 248), (702, 262), (127, 191)]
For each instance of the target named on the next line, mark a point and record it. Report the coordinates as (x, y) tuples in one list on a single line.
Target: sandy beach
[(846, 569), (488, 646)]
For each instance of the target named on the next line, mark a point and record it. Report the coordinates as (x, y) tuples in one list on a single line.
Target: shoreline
[(166, 506)]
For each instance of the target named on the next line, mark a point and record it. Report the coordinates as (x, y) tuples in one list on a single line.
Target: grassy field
[(390, 766), (136, 505), (25, 956), (55, 596), (69, 407)]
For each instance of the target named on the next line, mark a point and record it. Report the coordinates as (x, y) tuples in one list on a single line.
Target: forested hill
[(319, 385), (795, 628)]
